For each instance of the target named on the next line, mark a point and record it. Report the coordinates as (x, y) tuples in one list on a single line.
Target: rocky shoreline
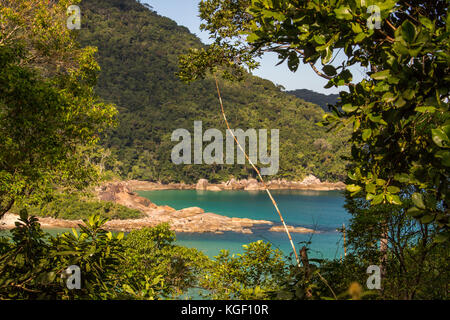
[(189, 220), (309, 183)]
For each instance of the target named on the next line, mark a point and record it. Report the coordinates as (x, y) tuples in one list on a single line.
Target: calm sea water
[(319, 210)]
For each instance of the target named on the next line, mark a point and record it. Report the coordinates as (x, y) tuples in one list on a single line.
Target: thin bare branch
[(257, 171)]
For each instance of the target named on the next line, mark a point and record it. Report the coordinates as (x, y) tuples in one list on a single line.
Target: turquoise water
[(319, 210)]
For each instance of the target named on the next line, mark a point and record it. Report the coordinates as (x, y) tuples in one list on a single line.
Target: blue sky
[(185, 12)]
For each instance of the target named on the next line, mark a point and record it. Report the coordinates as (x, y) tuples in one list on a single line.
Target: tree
[(33, 263), (398, 113), (144, 264), (251, 275), (413, 265), (154, 266), (48, 109)]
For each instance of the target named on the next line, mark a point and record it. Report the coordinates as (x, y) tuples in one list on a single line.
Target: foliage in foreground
[(143, 265), (245, 276), (146, 264), (49, 113)]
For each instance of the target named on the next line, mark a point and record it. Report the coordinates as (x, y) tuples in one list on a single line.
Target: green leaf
[(328, 55), (388, 97), (353, 188), (356, 28), (252, 37), (446, 130), (23, 214), (329, 70), (396, 200), (378, 199), (408, 31), (356, 125), (439, 137), (393, 189), (366, 134), (425, 109), (360, 37), (402, 177), (293, 61), (319, 39), (414, 212), (345, 77), (370, 196), (444, 155), (418, 200), (352, 175), (381, 75), (343, 13), (427, 218), (371, 188), (349, 108), (409, 94)]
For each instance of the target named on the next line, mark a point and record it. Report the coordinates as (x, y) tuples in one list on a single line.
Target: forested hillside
[(138, 54), (323, 100)]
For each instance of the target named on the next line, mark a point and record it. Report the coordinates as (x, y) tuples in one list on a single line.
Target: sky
[(185, 13)]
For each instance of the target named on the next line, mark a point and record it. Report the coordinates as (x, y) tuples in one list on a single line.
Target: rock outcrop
[(309, 183), (122, 194), (194, 219), (291, 229), (185, 220), (252, 186), (202, 184)]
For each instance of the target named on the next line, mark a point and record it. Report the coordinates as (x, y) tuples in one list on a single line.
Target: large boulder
[(202, 184), (253, 186), (120, 193), (311, 180), (111, 191), (236, 185)]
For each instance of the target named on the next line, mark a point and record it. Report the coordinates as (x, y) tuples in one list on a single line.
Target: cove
[(319, 210)]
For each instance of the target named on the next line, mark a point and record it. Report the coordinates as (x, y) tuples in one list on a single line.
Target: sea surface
[(319, 210)]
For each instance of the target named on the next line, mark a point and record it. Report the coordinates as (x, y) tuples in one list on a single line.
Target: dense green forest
[(76, 205), (323, 100), (138, 54)]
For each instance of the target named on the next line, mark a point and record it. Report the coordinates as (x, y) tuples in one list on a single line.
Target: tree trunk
[(5, 206), (305, 262)]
